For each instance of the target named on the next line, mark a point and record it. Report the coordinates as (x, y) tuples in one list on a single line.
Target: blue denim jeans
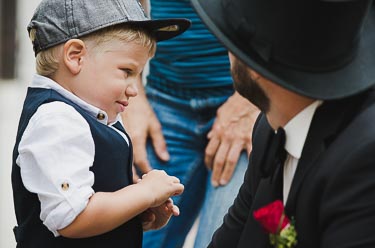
[(217, 202), (185, 124)]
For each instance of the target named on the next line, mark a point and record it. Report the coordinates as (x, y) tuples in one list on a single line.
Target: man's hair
[(47, 61)]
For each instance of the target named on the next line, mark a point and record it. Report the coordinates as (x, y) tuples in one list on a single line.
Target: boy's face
[(110, 74)]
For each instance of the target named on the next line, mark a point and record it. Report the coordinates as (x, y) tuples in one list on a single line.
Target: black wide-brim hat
[(319, 49)]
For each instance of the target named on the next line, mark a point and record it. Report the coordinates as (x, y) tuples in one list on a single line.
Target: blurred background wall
[(16, 69)]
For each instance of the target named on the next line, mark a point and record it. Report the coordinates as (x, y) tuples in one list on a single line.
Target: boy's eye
[(128, 72)]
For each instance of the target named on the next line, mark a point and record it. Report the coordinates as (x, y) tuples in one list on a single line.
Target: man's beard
[(248, 87)]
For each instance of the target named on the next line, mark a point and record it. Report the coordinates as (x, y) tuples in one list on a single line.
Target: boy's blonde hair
[(47, 61)]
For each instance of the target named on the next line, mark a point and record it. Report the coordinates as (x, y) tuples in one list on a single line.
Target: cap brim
[(356, 76), (165, 29)]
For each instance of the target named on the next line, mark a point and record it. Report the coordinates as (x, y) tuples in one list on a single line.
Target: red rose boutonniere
[(273, 219)]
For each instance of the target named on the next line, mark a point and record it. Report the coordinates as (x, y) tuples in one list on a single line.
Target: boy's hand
[(160, 186), (157, 217)]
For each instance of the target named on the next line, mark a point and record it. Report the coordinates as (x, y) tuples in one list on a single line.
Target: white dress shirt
[(57, 167), (295, 133)]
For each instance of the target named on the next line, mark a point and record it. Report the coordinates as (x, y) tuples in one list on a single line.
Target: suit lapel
[(265, 189), (254, 235), (265, 185)]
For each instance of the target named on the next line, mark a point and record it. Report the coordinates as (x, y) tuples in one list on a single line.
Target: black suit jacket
[(332, 197)]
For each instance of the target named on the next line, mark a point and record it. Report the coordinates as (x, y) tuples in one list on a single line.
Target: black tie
[(276, 154), (273, 167)]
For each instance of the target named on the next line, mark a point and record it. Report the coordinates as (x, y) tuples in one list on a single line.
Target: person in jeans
[(193, 125)]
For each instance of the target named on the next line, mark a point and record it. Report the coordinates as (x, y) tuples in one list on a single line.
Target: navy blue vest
[(112, 170)]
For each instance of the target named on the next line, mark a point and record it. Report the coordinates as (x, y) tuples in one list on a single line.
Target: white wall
[(12, 93), (25, 54)]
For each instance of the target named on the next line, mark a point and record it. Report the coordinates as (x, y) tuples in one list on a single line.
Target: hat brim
[(353, 78), (165, 29)]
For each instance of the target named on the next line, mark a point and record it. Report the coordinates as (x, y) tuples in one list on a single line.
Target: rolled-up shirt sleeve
[(55, 155)]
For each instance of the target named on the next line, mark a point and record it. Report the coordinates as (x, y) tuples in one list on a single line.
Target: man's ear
[(74, 51), (254, 75)]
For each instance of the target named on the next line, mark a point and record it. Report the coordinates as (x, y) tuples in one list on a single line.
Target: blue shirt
[(193, 60)]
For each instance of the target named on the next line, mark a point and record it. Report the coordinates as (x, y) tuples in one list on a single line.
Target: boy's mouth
[(123, 105)]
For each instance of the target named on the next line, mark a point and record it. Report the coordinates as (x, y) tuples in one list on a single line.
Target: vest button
[(101, 116)]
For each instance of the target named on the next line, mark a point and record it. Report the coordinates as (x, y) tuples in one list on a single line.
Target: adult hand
[(141, 122), (230, 134)]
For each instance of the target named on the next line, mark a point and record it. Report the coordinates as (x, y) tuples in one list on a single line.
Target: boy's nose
[(131, 91)]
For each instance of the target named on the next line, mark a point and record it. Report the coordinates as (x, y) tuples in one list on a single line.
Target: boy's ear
[(74, 51)]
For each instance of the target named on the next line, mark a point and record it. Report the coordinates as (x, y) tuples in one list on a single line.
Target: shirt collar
[(39, 81), (297, 128)]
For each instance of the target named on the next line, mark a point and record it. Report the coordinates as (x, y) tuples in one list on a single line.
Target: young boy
[(72, 161)]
